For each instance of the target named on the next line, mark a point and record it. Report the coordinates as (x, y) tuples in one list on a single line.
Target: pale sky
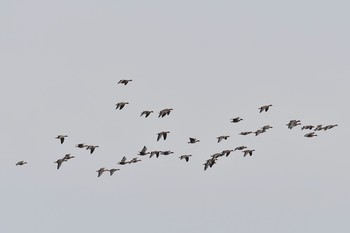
[(208, 60)]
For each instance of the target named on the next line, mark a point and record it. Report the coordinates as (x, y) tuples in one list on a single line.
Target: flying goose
[(220, 138), (216, 155), (134, 160), (265, 108), (155, 152), (245, 133), (259, 131), (112, 170), (327, 127), (59, 162), (20, 163), (91, 148), (185, 157), (240, 148), (121, 105), (226, 152), (124, 81), (193, 140), (164, 112), (101, 171), (209, 163), (246, 152), (236, 120), (310, 135), (162, 134), (167, 152), (123, 161), (61, 137), (266, 127), (146, 113), (310, 127), (143, 151), (293, 123), (68, 157), (81, 145), (318, 128)]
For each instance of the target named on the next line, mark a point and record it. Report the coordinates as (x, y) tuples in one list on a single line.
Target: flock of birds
[(164, 134)]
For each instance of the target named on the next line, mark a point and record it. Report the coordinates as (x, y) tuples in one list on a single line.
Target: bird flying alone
[(265, 108), (193, 140), (220, 138), (121, 105), (61, 137), (163, 134), (124, 81), (310, 135), (21, 163), (236, 120)]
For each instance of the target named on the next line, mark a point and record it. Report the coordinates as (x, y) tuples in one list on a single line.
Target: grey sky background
[(208, 60)]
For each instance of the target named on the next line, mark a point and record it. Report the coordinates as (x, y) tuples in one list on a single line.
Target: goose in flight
[(216, 155), (293, 123), (61, 137), (59, 162), (155, 152), (246, 152), (266, 127), (81, 145), (21, 163), (101, 171), (123, 161), (310, 135), (167, 152), (112, 170), (193, 140), (259, 131), (318, 128), (185, 157), (240, 148), (134, 160), (236, 120), (265, 108), (163, 134), (143, 151), (68, 157), (310, 127), (121, 105), (220, 138), (327, 127), (164, 112), (91, 148), (209, 163), (245, 133), (146, 113), (124, 81), (226, 152)]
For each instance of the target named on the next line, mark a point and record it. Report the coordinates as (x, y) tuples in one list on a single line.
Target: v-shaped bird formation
[(163, 135)]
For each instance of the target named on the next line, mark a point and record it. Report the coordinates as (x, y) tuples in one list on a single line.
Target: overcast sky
[(208, 60)]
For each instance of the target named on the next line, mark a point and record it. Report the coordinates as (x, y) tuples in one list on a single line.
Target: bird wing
[(62, 139), (165, 135), (159, 136)]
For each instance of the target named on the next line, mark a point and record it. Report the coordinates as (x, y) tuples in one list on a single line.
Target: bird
[(318, 128), (91, 148), (193, 140), (240, 148), (124, 81), (167, 152), (266, 127), (67, 157), (236, 120), (245, 133), (185, 157), (310, 135), (146, 113), (164, 112), (226, 152), (101, 171), (155, 152), (59, 162), (216, 155), (327, 127), (81, 145), (134, 160), (209, 163), (143, 151), (259, 131), (293, 123), (112, 170), (310, 127), (265, 108), (61, 137), (246, 152), (162, 134), (20, 163), (123, 161), (220, 138), (121, 105)]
